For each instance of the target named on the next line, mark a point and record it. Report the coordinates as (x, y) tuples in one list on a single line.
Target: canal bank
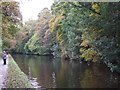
[(11, 75), (3, 74), (16, 78)]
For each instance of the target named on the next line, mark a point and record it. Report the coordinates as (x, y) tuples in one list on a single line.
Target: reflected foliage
[(56, 73)]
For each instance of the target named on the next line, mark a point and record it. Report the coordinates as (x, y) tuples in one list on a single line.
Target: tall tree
[(11, 22), (37, 44), (0, 29), (97, 27)]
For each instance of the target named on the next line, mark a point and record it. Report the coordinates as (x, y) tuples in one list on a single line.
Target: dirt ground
[(3, 73)]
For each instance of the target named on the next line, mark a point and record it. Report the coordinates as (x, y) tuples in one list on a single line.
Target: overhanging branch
[(85, 7)]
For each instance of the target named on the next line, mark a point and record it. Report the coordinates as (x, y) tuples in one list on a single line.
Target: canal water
[(47, 72)]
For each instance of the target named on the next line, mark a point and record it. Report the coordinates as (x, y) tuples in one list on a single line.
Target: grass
[(16, 78)]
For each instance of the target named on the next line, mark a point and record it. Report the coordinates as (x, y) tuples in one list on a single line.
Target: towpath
[(3, 73)]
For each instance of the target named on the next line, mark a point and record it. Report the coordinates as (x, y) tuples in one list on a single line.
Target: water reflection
[(55, 73)]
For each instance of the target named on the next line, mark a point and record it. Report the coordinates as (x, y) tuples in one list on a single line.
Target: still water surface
[(47, 72)]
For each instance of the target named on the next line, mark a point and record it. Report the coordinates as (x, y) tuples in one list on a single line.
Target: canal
[(48, 72)]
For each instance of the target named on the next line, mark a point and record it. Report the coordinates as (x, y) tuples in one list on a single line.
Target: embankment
[(16, 78)]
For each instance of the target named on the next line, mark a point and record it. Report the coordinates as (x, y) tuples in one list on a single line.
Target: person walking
[(4, 56)]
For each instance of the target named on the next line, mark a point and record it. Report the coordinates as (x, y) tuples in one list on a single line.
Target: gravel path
[(3, 73)]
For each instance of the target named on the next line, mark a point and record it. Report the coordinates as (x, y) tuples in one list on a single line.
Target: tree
[(0, 30), (97, 27), (38, 42), (11, 22)]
